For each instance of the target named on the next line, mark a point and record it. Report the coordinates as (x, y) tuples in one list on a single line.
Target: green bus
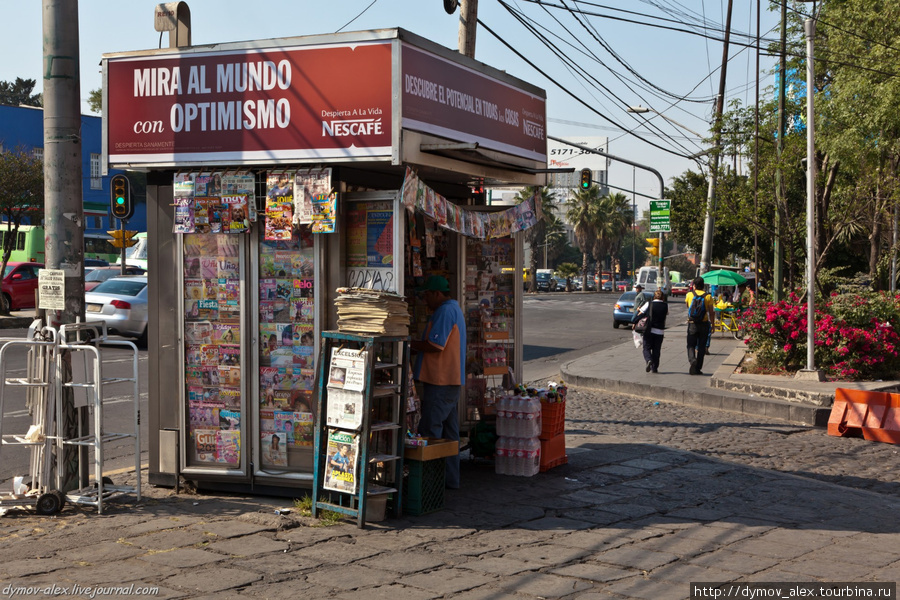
[(29, 245)]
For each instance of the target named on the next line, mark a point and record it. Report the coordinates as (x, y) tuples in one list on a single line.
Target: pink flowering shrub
[(856, 336)]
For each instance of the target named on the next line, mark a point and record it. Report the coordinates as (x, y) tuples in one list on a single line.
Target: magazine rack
[(365, 426)]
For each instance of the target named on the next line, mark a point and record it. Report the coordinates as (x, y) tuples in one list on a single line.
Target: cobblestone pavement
[(739, 438)]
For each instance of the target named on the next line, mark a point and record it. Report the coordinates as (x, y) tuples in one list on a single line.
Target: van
[(649, 278)]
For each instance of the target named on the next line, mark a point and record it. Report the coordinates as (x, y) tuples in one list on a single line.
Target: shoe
[(693, 370), (649, 366), (654, 371)]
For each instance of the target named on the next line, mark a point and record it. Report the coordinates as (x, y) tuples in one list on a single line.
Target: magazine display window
[(286, 351), (213, 373)]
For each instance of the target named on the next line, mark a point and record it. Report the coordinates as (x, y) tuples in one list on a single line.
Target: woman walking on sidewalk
[(656, 312)]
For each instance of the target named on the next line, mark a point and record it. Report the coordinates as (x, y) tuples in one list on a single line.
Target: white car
[(122, 303)]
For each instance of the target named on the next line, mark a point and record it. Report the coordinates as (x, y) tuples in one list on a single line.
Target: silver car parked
[(122, 303)]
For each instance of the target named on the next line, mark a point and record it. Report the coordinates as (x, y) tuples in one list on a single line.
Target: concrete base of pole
[(810, 375)]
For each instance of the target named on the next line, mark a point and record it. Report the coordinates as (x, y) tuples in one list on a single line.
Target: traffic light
[(654, 246), (120, 197), (122, 238), (586, 179)]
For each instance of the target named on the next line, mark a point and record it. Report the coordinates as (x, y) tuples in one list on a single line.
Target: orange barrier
[(875, 414)]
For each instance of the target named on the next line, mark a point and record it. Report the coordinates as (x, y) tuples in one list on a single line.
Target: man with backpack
[(701, 316)]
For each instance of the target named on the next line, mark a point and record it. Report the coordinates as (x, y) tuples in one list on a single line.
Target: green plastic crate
[(423, 490)]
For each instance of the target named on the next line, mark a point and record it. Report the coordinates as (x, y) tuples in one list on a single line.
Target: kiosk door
[(215, 381)]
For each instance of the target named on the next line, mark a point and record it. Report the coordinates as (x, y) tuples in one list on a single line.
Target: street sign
[(122, 238), (659, 216)]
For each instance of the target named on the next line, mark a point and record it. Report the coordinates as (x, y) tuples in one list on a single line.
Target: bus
[(137, 254), (29, 245)]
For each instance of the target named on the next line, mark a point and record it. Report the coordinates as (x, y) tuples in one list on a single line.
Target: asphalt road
[(561, 326), (558, 326)]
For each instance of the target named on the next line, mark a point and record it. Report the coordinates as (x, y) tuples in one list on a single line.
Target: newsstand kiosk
[(280, 170)]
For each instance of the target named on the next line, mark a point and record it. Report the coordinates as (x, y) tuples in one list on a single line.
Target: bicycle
[(726, 321)]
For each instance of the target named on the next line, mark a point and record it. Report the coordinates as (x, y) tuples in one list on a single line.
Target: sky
[(683, 64)]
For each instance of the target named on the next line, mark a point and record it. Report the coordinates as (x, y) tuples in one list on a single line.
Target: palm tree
[(536, 236), (581, 212), (614, 217)]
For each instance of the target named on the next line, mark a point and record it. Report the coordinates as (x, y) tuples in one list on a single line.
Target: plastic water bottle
[(520, 426), (502, 407), (531, 414), (534, 464), (500, 451), (520, 457)]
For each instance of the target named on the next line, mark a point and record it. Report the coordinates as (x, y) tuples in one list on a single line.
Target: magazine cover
[(201, 214), (184, 216), (231, 396), (243, 185), (267, 289), (284, 423), (274, 449), (228, 268), (229, 419), (228, 447), (193, 289), (193, 376), (282, 399), (205, 444), (340, 465), (198, 333), (227, 333), (209, 267), (307, 185), (209, 355), (303, 429), (209, 376), (204, 417), (229, 375), (183, 184), (267, 420), (237, 215)]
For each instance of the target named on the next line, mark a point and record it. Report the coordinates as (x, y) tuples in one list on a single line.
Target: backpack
[(697, 309)]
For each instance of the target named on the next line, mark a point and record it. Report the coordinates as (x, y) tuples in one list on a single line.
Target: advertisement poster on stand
[(346, 381)]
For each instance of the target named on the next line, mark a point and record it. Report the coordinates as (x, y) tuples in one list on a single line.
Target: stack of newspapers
[(375, 312)]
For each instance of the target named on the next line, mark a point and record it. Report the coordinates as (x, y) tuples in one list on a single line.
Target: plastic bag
[(638, 339)]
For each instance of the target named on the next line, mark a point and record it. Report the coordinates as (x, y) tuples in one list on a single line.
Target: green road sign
[(659, 216)]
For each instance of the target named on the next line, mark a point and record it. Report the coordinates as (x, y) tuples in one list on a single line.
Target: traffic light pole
[(122, 249)]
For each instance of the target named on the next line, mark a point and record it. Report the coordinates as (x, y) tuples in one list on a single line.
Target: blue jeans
[(440, 419)]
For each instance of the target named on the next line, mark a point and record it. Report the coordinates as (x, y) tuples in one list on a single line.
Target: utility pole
[(63, 210), (468, 19), (777, 274), (710, 224)]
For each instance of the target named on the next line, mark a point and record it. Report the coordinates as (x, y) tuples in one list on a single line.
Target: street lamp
[(810, 372), (644, 109)]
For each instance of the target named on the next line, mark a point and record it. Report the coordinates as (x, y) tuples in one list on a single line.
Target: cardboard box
[(436, 448)]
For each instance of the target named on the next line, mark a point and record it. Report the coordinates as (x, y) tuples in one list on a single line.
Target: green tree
[(614, 219), (19, 93), (581, 212), (567, 270), (21, 195), (95, 100), (536, 236)]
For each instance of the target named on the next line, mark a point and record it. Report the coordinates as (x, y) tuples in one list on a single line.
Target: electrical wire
[(566, 90), (357, 16)]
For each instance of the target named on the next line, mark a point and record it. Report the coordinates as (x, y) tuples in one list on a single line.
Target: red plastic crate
[(553, 452), (553, 419)]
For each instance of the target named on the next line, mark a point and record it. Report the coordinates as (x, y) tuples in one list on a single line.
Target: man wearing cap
[(440, 366)]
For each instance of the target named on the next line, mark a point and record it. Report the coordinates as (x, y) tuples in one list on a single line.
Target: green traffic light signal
[(586, 179), (120, 197)]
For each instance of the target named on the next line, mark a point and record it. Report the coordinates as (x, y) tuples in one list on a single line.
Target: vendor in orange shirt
[(440, 366)]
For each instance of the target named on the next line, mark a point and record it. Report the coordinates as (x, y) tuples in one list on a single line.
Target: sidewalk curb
[(720, 399), (15, 322)]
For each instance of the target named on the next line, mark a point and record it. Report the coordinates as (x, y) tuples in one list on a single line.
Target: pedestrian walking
[(656, 312), (640, 298), (701, 316)]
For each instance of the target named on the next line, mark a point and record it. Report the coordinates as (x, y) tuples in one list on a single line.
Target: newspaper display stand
[(87, 340), (40, 346), (365, 428), (44, 382)]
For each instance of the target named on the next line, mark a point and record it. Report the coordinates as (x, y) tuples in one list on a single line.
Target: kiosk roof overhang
[(376, 99)]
